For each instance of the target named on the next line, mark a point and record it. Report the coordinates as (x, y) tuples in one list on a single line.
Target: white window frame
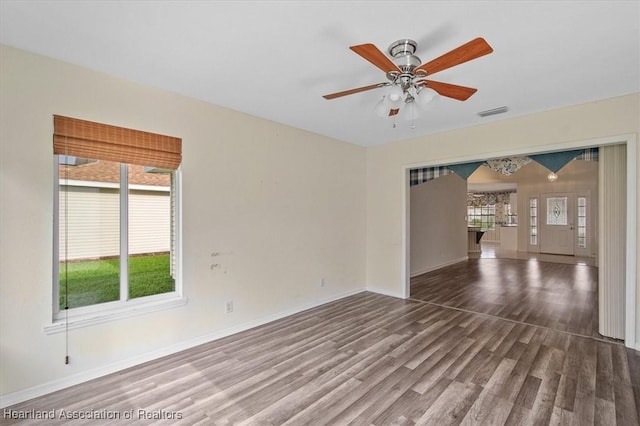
[(531, 225), (586, 250), (103, 312), (482, 215)]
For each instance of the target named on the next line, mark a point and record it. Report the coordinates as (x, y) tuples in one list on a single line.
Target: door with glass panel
[(557, 230)]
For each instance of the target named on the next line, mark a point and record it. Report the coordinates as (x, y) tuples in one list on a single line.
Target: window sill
[(113, 314)]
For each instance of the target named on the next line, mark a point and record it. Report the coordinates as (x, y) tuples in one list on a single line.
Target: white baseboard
[(56, 385), (385, 292), (441, 265)]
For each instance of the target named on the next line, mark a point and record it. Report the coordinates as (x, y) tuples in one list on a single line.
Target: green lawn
[(97, 281)]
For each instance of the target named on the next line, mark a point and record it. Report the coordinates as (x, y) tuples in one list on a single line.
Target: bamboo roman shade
[(87, 139)]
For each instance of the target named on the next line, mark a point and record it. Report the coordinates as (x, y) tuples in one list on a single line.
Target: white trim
[(55, 385), (55, 271), (629, 139), (115, 309), (442, 265), (406, 236), (631, 308), (89, 183), (112, 185), (177, 176), (124, 232), (386, 292), (120, 311)]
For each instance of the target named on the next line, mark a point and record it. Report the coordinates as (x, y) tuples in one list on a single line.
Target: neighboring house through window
[(116, 228)]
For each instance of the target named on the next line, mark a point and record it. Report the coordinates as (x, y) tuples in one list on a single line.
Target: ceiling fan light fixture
[(395, 94), (425, 96), (411, 111), (382, 108)]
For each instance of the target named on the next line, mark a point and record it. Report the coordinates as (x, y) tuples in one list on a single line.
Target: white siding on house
[(149, 221), (92, 226)]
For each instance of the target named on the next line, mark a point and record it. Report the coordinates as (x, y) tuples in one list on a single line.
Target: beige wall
[(437, 223), (284, 207), (386, 164)]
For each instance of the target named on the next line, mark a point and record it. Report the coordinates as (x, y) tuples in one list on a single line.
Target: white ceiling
[(275, 59)]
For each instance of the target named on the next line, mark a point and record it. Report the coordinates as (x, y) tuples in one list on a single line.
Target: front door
[(557, 227)]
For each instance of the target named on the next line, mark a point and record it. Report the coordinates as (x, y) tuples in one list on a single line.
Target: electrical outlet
[(322, 282), (228, 307)]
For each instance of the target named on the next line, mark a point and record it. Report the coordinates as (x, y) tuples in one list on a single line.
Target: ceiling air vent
[(494, 111)]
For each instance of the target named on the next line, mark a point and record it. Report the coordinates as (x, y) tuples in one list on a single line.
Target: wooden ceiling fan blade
[(374, 55), (474, 49), (453, 91), (394, 111), (352, 91)]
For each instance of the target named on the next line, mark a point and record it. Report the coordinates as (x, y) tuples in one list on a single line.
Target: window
[(557, 211), (507, 209), (582, 222), (116, 228), (483, 217), (533, 221), (510, 217)]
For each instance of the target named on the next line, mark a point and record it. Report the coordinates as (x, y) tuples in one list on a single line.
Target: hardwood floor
[(492, 250), (372, 359), (562, 297)]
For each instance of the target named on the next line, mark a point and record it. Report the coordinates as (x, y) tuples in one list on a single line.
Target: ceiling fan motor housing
[(403, 53)]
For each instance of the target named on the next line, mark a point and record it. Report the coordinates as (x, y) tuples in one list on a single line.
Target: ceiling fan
[(408, 77)]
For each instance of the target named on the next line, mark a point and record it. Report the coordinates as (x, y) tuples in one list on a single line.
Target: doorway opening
[(551, 199)]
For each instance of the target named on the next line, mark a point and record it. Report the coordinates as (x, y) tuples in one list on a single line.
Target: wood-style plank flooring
[(375, 360), (559, 296)]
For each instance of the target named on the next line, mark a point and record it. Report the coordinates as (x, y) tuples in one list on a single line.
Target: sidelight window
[(533, 221)]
